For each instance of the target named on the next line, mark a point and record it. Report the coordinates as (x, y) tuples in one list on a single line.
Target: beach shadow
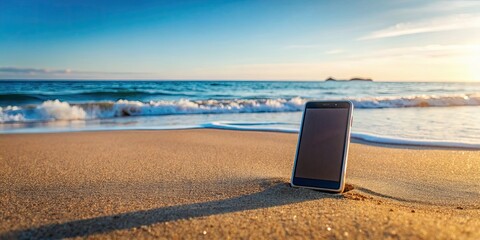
[(276, 193)]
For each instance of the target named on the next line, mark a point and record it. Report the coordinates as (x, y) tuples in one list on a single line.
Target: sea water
[(439, 114)]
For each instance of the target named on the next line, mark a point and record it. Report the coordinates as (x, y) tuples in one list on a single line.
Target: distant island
[(350, 80)]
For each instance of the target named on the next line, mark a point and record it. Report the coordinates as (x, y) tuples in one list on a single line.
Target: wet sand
[(221, 184)]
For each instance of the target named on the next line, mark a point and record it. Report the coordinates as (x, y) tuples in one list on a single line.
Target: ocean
[(420, 113)]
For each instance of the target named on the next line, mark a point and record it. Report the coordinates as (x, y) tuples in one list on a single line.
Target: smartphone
[(322, 149)]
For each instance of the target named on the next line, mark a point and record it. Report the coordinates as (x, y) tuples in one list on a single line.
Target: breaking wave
[(52, 110)]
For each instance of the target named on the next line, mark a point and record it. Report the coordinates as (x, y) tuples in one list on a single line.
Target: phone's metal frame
[(345, 151)]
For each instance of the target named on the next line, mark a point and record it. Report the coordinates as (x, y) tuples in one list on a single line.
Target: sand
[(226, 184)]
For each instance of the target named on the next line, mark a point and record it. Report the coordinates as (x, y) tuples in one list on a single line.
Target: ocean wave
[(19, 97), (52, 110), (56, 110), (418, 101)]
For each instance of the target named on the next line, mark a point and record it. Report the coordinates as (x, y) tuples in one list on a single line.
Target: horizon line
[(236, 80)]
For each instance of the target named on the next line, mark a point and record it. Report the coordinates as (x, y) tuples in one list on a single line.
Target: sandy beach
[(227, 184)]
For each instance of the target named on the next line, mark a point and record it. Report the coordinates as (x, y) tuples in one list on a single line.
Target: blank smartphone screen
[(322, 144)]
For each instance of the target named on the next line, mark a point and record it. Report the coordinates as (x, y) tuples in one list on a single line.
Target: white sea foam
[(249, 126), (361, 136), (413, 142), (11, 114), (56, 110), (60, 111)]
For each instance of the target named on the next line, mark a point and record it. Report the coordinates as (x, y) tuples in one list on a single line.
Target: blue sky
[(240, 40)]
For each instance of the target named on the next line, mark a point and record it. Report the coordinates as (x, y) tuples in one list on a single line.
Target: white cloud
[(335, 51), (427, 51), (47, 73), (33, 71), (302, 46), (453, 22), (439, 7)]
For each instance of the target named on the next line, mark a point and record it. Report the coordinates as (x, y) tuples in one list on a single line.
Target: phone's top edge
[(329, 104), (330, 101)]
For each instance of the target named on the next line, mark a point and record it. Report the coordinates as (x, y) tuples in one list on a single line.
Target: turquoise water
[(418, 112)]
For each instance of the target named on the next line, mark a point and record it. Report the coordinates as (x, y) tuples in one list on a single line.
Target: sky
[(240, 40)]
